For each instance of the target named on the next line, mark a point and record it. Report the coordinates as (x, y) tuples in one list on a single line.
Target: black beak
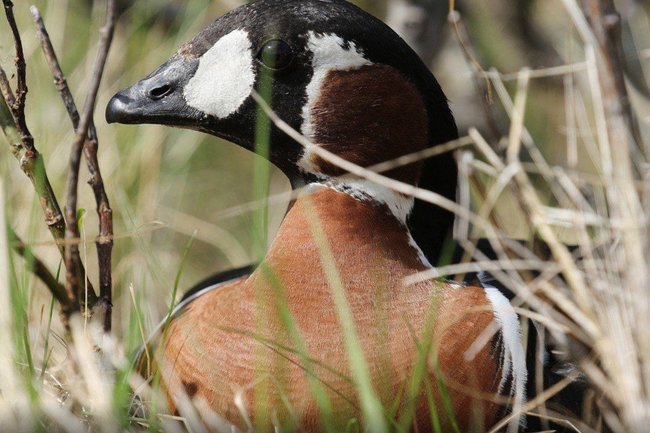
[(158, 98)]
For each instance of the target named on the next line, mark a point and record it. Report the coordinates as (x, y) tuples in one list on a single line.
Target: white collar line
[(364, 190)]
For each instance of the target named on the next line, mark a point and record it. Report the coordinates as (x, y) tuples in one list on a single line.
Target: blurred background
[(169, 186)]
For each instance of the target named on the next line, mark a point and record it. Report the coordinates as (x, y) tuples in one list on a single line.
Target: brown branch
[(7, 121), (104, 241), (38, 268), (7, 93), (17, 106), (60, 82), (89, 141), (31, 161)]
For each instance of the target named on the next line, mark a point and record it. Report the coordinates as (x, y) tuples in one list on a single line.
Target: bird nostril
[(160, 91)]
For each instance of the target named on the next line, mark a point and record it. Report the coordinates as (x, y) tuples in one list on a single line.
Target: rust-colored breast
[(232, 346)]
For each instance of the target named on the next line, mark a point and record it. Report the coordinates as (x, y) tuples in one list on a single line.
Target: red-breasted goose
[(350, 85)]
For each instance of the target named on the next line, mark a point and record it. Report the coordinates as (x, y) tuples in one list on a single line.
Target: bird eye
[(276, 54)]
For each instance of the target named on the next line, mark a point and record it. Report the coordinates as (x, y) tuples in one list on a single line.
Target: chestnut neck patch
[(369, 115)]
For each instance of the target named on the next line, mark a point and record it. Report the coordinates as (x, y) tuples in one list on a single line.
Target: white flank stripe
[(419, 251), (514, 356)]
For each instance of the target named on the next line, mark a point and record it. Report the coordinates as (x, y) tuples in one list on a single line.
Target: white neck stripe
[(329, 54)]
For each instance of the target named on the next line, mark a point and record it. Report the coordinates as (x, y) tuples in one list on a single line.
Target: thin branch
[(18, 105), (30, 159), (38, 268), (31, 162), (105, 213), (60, 82), (104, 241), (83, 139), (7, 123), (7, 93)]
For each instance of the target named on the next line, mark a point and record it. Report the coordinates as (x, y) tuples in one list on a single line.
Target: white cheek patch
[(224, 78)]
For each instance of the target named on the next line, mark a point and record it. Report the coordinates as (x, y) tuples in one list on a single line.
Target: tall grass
[(559, 172)]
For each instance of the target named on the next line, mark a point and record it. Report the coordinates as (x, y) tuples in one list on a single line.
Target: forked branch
[(65, 231), (86, 140)]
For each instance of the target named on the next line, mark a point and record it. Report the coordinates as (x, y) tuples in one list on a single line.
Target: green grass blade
[(371, 406)]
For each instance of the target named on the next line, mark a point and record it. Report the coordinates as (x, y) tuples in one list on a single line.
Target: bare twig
[(28, 156), (17, 106), (60, 82), (33, 166), (38, 268), (30, 160), (7, 123), (104, 241)]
